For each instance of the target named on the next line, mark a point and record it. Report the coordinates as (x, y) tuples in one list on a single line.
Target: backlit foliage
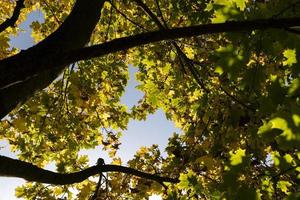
[(241, 124)]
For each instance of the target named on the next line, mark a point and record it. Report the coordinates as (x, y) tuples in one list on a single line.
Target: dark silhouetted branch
[(73, 33), (44, 58), (294, 31), (16, 168), (10, 22)]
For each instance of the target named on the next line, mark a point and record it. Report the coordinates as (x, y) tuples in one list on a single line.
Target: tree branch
[(10, 22), (125, 16), (74, 33), (16, 168), (150, 13), (292, 31), (237, 100), (125, 43), (44, 58)]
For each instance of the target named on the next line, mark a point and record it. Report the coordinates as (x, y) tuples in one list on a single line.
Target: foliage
[(241, 125)]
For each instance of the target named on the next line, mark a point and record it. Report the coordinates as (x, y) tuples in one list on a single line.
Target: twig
[(284, 171), (52, 12), (160, 14), (236, 100), (96, 193), (125, 16), (182, 56), (109, 23)]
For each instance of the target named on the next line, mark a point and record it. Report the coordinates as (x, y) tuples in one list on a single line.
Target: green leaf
[(290, 55), (294, 89), (283, 186), (241, 4), (268, 132), (236, 158)]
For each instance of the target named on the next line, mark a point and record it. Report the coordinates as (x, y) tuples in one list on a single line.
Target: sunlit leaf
[(290, 55)]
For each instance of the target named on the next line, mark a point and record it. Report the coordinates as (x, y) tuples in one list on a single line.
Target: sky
[(155, 130)]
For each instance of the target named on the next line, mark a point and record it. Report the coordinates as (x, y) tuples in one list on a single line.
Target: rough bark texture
[(26, 73)]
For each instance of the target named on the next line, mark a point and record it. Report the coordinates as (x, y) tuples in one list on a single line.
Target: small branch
[(16, 168), (192, 69), (125, 16), (277, 175), (150, 13), (182, 57), (52, 12), (160, 14), (292, 31), (284, 171), (13, 19), (181, 64), (237, 100), (109, 23), (98, 187)]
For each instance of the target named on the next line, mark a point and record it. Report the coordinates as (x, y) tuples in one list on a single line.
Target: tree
[(224, 71)]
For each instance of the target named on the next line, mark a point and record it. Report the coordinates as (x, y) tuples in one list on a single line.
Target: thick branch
[(28, 71), (49, 55), (169, 34), (16, 168), (65, 57), (10, 22)]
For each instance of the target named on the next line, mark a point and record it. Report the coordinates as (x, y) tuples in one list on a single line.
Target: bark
[(16, 168), (26, 73)]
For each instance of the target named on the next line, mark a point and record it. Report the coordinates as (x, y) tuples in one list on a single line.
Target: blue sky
[(155, 130)]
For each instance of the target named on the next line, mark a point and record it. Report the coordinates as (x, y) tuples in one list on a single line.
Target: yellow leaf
[(189, 52), (236, 158), (290, 55), (283, 185)]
